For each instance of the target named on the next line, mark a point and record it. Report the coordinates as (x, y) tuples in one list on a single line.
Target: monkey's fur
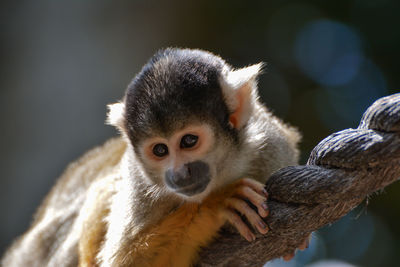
[(111, 208)]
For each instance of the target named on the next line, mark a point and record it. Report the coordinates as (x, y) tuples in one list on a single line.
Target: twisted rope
[(342, 170)]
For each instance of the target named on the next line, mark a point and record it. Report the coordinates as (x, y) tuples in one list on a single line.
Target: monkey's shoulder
[(79, 176), (52, 234)]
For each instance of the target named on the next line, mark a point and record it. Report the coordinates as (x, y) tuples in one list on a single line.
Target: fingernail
[(265, 192), (288, 257), (262, 225), (264, 206), (250, 237)]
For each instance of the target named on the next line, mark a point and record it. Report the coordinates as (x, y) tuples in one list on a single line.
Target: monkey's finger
[(255, 185), (256, 199), (242, 207), (305, 243), (242, 228), (288, 257)]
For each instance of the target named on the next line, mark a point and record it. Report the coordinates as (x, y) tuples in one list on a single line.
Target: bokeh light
[(348, 102), (330, 263), (329, 52), (349, 238), (283, 27)]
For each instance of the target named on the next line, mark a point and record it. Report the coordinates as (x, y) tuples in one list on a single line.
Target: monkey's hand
[(233, 201), (254, 192)]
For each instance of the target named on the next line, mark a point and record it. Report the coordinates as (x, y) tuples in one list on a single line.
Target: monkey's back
[(53, 235)]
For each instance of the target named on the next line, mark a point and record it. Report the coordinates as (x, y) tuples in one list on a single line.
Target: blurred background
[(63, 61)]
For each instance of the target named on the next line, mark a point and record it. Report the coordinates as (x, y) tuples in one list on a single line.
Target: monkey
[(195, 144)]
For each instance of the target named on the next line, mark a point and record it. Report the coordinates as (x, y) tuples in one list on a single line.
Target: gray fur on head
[(174, 87)]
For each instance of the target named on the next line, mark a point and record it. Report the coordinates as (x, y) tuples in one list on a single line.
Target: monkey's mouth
[(193, 189)]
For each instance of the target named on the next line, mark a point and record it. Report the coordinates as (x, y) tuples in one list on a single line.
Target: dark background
[(63, 61)]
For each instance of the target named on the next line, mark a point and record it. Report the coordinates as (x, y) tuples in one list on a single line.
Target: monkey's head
[(183, 115)]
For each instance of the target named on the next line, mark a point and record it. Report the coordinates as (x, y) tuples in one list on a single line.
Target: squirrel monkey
[(195, 145)]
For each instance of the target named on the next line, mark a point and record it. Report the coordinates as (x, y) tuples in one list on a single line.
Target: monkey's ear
[(240, 91), (115, 115)]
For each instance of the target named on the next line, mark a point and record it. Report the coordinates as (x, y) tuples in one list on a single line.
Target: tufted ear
[(115, 115), (240, 90)]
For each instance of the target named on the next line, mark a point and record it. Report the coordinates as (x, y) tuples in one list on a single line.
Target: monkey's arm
[(176, 240)]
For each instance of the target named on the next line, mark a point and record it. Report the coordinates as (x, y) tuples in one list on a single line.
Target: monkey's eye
[(188, 140), (160, 150)]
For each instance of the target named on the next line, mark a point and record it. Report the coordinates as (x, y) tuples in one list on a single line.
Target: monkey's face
[(183, 114), (182, 160)]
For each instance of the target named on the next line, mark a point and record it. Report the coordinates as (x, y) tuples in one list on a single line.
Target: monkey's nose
[(180, 177), (183, 172), (190, 179)]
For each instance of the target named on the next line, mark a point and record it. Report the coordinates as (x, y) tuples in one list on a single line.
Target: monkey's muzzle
[(191, 179)]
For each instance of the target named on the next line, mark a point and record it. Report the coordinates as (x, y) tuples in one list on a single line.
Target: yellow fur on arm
[(90, 242), (176, 240), (96, 209)]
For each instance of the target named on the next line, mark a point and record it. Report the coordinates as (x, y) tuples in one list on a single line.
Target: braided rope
[(342, 170)]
